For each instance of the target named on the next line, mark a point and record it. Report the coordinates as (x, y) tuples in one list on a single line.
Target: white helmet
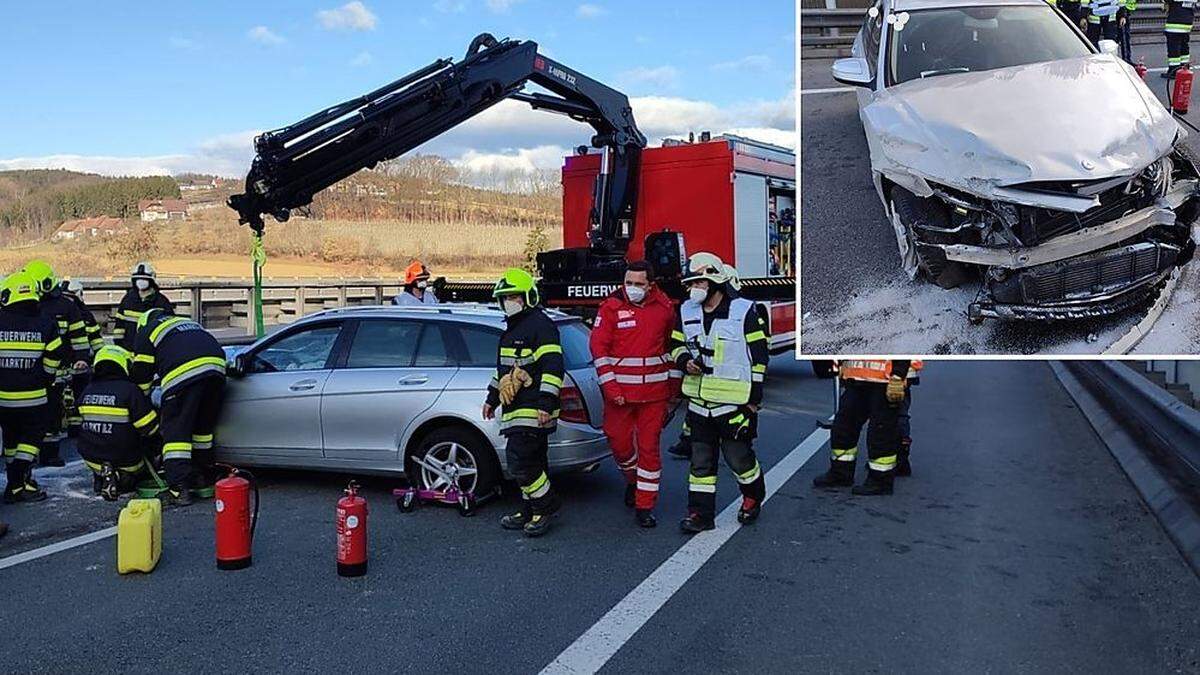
[(705, 266), (72, 286), (734, 281), (142, 270)]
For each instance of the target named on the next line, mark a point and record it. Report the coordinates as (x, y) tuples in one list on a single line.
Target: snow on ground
[(1177, 331)]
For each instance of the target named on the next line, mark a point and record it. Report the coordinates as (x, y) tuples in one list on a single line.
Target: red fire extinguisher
[(1183, 90), (352, 533), (234, 521), (1141, 68)]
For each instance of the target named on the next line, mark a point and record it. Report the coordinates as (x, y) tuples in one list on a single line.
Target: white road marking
[(599, 643), (827, 90), (44, 551)]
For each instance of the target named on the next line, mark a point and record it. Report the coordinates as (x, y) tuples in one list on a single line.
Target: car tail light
[(573, 408)]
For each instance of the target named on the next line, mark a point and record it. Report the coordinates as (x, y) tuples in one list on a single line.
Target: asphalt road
[(1018, 546), (855, 298)]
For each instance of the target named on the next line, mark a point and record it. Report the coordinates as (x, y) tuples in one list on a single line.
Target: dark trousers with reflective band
[(54, 430), (865, 403), (527, 452), (127, 459), (23, 430), (189, 415), (1178, 50), (904, 424), (1107, 29), (731, 437)]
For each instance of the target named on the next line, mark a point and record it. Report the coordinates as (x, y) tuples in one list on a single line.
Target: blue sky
[(126, 87)]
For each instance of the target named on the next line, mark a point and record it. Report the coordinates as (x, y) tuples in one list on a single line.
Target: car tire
[(480, 452), (931, 260)]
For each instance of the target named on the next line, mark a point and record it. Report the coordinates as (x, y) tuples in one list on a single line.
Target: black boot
[(180, 494), (837, 476), (516, 521), (877, 483), (630, 495), (539, 524), (21, 488), (682, 449), (109, 489), (645, 518), (903, 466), (695, 523), (1169, 73), (749, 511)]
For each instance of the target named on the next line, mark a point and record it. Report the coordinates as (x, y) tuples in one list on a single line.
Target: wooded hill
[(35, 201)]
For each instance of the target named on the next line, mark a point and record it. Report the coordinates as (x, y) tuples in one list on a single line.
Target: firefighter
[(872, 391), (142, 296), (720, 345), (525, 388), (73, 291), (63, 312), (1103, 19), (416, 286), (189, 364), (629, 347), (1126, 24), (118, 420), (904, 420), (1180, 15), (31, 352)]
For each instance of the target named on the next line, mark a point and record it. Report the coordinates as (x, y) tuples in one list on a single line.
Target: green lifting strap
[(258, 256)]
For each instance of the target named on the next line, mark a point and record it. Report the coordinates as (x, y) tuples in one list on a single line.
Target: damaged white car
[(1002, 143)]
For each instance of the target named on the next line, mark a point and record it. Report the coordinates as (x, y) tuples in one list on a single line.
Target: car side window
[(432, 351), (479, 346), (872, 33), (384, 344), (304, 350)]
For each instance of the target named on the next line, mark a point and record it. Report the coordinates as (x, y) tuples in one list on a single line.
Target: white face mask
[(422, 284), (698, 295), (142, 284), (511, 306), (635, 293)]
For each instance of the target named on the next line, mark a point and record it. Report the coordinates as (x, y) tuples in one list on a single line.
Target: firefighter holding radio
[(525, 389), (720, 344)]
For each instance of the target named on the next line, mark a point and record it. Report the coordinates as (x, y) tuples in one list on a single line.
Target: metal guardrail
[(828, 28)]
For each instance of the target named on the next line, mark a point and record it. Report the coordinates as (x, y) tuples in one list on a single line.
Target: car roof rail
[(444, 308)]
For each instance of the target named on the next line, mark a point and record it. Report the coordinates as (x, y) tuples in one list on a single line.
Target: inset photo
[(998, 177)]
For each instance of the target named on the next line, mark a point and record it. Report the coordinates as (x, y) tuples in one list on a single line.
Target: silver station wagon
[(395, 389)]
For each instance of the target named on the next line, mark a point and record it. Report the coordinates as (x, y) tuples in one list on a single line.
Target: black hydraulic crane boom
[(295, 162)]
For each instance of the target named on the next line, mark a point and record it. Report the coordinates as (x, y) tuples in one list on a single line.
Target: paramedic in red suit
[(629, 346)]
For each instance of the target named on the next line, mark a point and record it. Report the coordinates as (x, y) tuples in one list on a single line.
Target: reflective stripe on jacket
[(175, 350), (31, 354), (723, 352), (629, 348), (531, 341), (130, 311)]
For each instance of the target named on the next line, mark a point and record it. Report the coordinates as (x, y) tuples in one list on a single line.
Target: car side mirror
[(853, 71), (1109, 47), (237, 365)]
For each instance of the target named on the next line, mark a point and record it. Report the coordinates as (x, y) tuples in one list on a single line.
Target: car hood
[(1074, 119)]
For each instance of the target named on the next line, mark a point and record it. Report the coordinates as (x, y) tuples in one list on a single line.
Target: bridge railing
[(837, 27)]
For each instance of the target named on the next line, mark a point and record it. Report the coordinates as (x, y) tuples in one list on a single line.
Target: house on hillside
[(162, 209), (101, 226)]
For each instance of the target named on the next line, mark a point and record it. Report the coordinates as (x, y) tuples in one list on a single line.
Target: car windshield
[(932, 42)]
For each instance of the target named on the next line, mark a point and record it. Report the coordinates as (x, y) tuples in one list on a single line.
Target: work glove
[(895, 390), (513, 381)]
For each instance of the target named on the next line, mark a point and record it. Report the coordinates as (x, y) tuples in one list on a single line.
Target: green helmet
[(517, 281), (17, 287), (147, 315), (42, 274), (118, 356)]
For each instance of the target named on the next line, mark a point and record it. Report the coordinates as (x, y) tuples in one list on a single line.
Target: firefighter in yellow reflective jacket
[(872, 392), (73, 290), (1178, 27), (525, 389), (118, 420), (31, 352), (65, 314), (189, 364), (142, 296), (720, 345)]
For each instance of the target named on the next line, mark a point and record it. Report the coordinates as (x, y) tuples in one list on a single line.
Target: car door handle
[(412, 380), (303, 385)]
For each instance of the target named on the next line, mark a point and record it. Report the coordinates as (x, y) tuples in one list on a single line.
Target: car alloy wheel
[(448, 463)]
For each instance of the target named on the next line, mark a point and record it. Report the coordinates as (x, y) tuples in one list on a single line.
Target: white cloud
[(363, 59), (224, 155), (754, 63), (265, 36), (350, 16), (528, 160), (658, 77), (500, 6), (589, 11), (450, 6)]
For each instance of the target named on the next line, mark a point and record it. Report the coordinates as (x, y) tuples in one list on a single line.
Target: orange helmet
[(416, 270)]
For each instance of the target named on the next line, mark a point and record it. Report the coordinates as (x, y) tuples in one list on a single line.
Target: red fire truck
[(728, 195)]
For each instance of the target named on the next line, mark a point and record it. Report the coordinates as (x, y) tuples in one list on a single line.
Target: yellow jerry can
[(139, 536)]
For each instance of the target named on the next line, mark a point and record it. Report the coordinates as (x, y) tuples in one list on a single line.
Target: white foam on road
[(599, 643), (44, 551)]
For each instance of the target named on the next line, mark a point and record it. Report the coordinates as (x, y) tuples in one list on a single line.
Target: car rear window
[(384, 344), (576, 351)]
